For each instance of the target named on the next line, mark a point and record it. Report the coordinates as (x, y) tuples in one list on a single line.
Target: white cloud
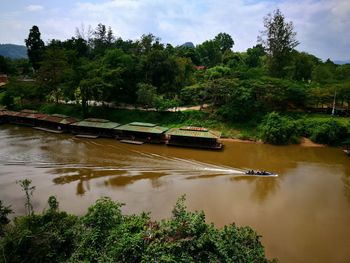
[(34, 8)]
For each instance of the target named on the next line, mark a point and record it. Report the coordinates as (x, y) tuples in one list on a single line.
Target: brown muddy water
[(303, 214)]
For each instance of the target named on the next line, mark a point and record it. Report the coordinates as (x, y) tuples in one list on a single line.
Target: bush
[(104, 234), (47, 237), (276, 129), (327, 131)]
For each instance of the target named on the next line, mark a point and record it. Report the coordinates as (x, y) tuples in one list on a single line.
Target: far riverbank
[(231, 131)]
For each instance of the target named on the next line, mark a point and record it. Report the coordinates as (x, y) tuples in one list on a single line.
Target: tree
[(35, 47), (279, 40), (303, 65), (52, 72), (146, 94), (254, 55), (209, 53), (224, 41), (103, 39)]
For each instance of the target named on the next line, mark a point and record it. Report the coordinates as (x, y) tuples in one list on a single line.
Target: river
[(303, 214)]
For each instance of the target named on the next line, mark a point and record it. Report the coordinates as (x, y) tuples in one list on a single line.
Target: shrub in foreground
[(104, 234)]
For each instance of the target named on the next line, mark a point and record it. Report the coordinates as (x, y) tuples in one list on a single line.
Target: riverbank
[(231, 131)]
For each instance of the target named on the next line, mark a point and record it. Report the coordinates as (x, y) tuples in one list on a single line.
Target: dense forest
[(237, 87)]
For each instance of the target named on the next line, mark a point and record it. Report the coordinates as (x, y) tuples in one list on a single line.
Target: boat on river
[(260, 173)]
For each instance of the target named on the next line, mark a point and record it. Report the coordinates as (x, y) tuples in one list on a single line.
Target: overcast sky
[(322, 26)]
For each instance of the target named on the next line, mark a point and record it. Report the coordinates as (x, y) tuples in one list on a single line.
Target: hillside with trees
[(13, 51)]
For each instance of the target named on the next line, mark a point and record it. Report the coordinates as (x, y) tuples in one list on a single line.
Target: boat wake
[(138, 163)]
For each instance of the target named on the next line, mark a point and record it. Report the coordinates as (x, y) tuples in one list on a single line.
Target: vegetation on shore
[(104, 234)]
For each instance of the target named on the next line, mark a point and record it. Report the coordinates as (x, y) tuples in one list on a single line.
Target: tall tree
[(35, 47), (279, 40), (209, 53), (224, 41), (53, 70)]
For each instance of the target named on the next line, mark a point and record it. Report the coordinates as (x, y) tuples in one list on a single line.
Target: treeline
[(104, 234), (238, 86)]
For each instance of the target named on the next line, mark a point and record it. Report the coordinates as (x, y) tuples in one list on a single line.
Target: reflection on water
[(303, 214)]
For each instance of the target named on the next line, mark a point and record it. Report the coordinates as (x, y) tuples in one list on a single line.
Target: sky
[(322, 26)]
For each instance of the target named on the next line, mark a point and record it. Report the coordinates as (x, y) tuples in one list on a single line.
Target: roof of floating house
[(194, 132), (59, 118), (31, 114), (96, 123), (142, 127), (3, 111)]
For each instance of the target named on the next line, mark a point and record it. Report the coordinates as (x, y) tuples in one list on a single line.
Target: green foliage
[(146, 95), (35, 47), (276, 129), (279, 40), (217, 72), (28, 190), (209, 53), (224, 41), (53, 203), (254, 55), (328, 131), (94, 229), (161, 103), (7, 99), (4, 212), (47, 237), (241, 105), (104, 234), (53, 72)]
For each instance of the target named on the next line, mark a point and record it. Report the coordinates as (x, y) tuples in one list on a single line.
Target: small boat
[(347, 152), (260, 173)]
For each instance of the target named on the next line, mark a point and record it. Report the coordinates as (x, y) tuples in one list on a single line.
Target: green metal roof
[(194, 132), (144, 124), (142, 127), (59, 118), (96, 123)]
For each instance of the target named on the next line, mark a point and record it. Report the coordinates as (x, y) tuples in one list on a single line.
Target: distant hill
[(13, 51), (341, 62), (188, 44)]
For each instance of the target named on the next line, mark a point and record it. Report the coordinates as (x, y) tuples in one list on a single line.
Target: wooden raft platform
[(132, 142), (48, 130), (86, 136)]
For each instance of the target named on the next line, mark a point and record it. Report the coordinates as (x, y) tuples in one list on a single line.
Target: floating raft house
[(56, 123), (141, 131), (196, 137), (93, 128), (3, 115), (26, 117)]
